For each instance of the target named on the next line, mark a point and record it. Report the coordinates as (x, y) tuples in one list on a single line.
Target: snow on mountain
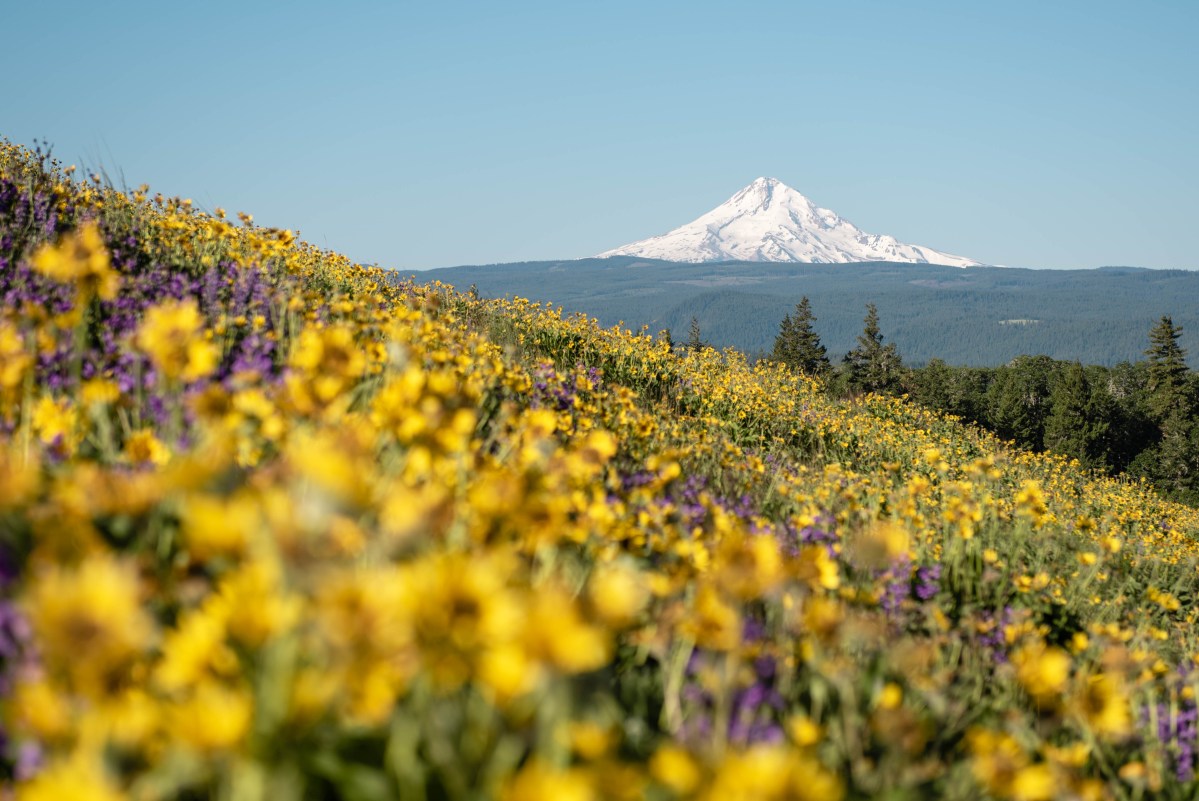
[(770, 221)]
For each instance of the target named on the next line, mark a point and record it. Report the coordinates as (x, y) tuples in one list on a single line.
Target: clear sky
[(431, 134)]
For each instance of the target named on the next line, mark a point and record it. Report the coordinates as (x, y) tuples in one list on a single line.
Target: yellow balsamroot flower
[(589, 739), (330, 359), (558, 634), (214, 717), (19, 477), (142, 447), (882, 544), (99, 391), (172, 336), (214, 527), (80, 258), (1030, 503), (327, 460), (15, 359), (713, 623), (804, 731), (538, 782), (93, 610), (996, 760), (617, 593), (676, 769), (41, 710), (196, 649), (772, 773), (1037, 782), (891, 696), (132, 719), (55, 421), (747, 566), (817, 569), (508, 671), (259, 605), (1043, 671), (80, 778), (1102, 704)]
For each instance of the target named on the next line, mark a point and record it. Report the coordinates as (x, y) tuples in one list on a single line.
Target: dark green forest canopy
[(981, 316)]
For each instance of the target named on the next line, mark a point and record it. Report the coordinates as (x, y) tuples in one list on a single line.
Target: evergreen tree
[(1076, 425), (873, 366), (694, 343), (797, 344), (1018, 401), (1167, 375)]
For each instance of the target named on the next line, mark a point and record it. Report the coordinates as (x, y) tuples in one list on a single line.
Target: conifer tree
[(1074, 426), (694, 343), (1167, 370), (873, 366), (1018, 401), (797, 344)]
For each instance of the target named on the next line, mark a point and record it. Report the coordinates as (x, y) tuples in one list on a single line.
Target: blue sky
[(420, 135)]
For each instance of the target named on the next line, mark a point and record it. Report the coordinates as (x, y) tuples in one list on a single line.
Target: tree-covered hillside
[(980, 316)]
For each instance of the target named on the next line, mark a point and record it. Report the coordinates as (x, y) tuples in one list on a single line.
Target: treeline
[(1140, 419)]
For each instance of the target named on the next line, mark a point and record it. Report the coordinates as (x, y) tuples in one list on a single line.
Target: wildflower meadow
[(274, 525)]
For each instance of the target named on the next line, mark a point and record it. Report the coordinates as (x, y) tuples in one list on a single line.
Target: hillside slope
[(322, 533)]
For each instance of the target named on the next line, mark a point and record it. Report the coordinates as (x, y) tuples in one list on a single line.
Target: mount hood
[(770, 221)]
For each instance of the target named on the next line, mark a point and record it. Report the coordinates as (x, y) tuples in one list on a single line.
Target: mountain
[(770, 221)]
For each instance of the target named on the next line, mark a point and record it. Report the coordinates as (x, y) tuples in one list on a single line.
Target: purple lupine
[(17, 655), (994, 641), (1178, 728), (928, 581), (896, 581)]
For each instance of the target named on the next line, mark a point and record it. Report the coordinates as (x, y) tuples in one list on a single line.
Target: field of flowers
[(277, 526)]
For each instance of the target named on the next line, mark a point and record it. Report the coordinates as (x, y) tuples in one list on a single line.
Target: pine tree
[(1018, 401), (694, 343), (1167, 370), (1074, 426), (873, 366), (797, 344)]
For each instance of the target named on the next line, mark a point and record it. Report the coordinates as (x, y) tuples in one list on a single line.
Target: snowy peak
[(770, 221)]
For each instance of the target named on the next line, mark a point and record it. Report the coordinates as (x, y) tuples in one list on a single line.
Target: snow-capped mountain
[(770, 221)]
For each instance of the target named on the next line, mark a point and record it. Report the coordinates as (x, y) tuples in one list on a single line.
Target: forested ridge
[(1140, 419), (980, 316)]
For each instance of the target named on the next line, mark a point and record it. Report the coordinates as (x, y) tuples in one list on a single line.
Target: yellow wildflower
[(142, 447), (171, 335), (617, 593), (80, 258), (676, 769), (1030, 503), (41, 710), (80, 778), (713, 622), (213, 718), (15, 359), (98, 391), (215, 527), (1042, 670), (1102, 703), (815, 567), (95, 610), (55, 421), (537, 782), (330, 359)]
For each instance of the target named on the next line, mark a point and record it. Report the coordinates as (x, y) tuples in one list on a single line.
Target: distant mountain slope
[(984, 316), (770, 221)]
